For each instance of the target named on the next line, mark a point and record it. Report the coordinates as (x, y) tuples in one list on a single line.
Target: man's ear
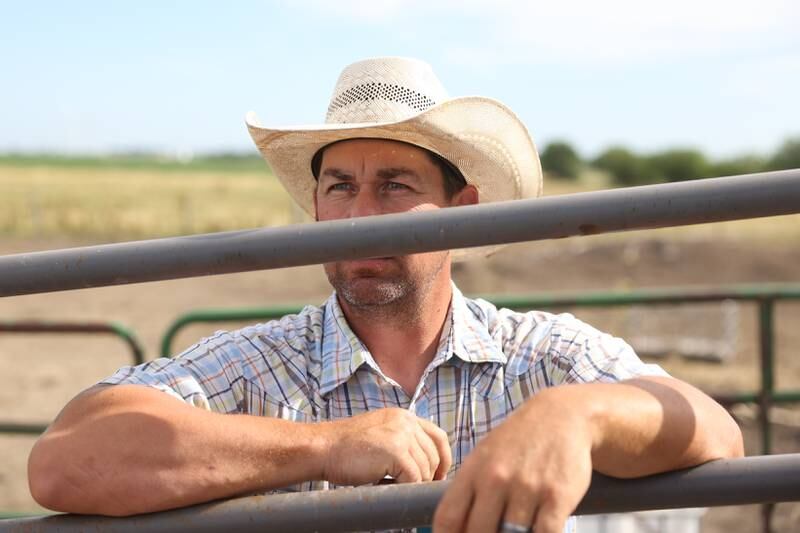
[(466, 196)]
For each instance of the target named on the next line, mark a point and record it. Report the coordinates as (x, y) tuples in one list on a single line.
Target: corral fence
[(764, 296), (115, 329), (725, 482), (766, 479)]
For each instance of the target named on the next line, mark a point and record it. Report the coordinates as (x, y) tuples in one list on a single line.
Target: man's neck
[(404, 343)]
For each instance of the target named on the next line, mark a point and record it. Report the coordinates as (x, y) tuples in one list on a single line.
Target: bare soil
[(41, 372)]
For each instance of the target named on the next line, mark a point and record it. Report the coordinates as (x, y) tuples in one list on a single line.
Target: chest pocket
[(478, 405), (488, 398)]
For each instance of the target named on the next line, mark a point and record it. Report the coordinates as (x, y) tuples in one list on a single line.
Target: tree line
[(627, 168)]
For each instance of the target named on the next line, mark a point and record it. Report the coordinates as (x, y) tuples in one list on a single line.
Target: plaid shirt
[(311, 367)]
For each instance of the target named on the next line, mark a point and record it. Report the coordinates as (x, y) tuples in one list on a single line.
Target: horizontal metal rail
[(672, 295), (765, 479), (590, 213), (111, 328), (23, 428), (764, 295)]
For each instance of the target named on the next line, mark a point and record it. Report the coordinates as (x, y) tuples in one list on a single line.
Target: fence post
[(766, 337)]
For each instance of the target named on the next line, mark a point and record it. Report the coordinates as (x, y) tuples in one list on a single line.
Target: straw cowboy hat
[(402, 99)]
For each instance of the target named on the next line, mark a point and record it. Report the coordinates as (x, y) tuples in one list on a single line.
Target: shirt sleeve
[(207, 375), (578, 353)]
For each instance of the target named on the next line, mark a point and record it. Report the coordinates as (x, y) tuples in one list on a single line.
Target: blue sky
[(178, 76)]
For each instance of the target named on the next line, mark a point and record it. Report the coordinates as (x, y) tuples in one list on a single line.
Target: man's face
[(363, 177)]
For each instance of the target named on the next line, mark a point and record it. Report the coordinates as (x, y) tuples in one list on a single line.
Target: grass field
[(101, 203), (228, 163), (104, 199)]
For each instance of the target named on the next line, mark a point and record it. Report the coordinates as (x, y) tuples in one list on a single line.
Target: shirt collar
[(466, 336), (472, 340), (342, 351)]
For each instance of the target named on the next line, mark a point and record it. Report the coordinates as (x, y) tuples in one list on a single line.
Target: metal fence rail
[(753, 480), (764, 295), (590, 213), (767, 479)]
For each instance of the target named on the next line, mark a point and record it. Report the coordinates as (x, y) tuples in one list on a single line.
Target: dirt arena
[(40, 373)]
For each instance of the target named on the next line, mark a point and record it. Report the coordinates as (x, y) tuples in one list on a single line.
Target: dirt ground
[(41, 372)]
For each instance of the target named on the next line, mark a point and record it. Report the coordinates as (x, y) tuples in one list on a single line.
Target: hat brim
[(482, 137)]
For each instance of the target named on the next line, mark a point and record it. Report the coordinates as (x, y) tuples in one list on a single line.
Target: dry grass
[(102, 203), (48, 201)]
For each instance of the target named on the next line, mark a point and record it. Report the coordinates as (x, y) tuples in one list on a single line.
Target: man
[(398, 374)]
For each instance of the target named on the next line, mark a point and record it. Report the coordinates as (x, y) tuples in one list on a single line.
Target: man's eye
[(395, 186), (340, 187)]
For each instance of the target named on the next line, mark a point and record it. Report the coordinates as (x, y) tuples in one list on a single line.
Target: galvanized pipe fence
[(768, 479), (552, 217), (46, 327), (764, 296), (752, 480)]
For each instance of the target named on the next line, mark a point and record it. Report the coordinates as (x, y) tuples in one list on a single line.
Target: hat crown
[(384, 89)]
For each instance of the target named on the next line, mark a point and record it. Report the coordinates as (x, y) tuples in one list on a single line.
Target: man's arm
[(653, 424), (128, 449), (534, 468)]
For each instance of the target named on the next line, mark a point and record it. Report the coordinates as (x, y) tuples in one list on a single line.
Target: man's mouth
[(375, 264)]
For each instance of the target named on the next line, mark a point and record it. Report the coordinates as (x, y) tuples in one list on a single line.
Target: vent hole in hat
[(378, 90)]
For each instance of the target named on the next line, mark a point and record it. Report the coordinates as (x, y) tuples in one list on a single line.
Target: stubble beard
[(383, 297)]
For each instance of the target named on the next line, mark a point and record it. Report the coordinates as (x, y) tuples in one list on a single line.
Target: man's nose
[(365, 203)]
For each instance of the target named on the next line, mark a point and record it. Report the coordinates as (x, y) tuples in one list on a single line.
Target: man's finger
[(419, 456), (451, 513), (487, 509), (550, 519), (429, 448), (407, 470), (440, 440), (521, 506)]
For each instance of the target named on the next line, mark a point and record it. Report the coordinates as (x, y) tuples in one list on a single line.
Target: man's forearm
[(647, 425), (122, 450)]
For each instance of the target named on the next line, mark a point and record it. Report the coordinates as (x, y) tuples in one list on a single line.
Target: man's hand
[(394, 442), (532, 470), (535, 467)]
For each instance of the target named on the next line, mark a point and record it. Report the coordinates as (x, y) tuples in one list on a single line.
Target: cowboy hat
[(401, 99)]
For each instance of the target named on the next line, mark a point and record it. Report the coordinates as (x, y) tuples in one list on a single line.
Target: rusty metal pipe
[(764, 479), (590, 213)]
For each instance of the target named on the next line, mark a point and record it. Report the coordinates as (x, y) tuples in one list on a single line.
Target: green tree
[(679, 165), (735, 166), (561, 160), (787, 156), (626, 168)]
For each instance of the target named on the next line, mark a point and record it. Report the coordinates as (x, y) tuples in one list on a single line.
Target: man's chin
[(369, 282), (371, 291)]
